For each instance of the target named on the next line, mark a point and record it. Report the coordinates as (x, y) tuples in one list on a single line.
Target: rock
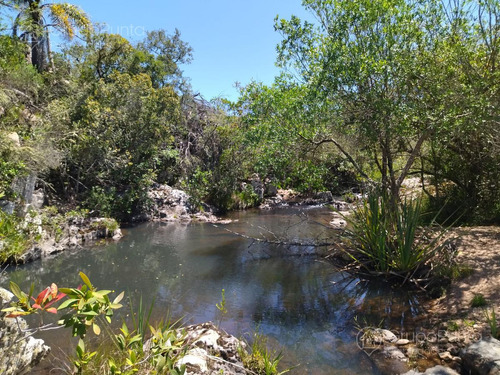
[(117, 234), (402, 342), (169, 204), (390, 360), (437, 370), (482, 357), (270, 190), (212, 351), (258, 186), (440, 370), (384, 335), (446, 356), (37, 199), (18, 352), (324, 196), (14, 138)]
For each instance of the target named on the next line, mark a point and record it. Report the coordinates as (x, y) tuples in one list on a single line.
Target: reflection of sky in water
[(301, 303)]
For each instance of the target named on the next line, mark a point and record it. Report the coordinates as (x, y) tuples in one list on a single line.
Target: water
[(302, 304)]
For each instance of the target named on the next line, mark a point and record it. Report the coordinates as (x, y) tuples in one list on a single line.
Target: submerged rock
[(18, 352)]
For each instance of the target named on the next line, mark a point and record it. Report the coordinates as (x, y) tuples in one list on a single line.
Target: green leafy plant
[(478, 301)]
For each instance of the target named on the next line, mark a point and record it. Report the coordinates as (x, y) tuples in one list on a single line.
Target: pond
[(301, 303)]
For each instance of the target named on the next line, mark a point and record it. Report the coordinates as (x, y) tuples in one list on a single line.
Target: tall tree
[(34, 21), (369, 63)]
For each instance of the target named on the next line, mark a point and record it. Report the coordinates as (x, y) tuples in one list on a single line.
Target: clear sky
[(232, 40)]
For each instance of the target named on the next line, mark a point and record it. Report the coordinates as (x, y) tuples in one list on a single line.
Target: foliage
[(86, 307), (261, 360), (390, 242), (16, 235)]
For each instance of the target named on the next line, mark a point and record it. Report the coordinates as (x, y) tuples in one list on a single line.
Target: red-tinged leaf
[(58, 297), (42, 296), (37, 306), (16, 314), (52, 310), (53, 290)]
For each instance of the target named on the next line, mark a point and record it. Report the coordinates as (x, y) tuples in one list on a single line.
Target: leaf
[(51, 310), (67, 304), (86, 280), (119, 298), (53, 290), (97, 329), (16, 290)]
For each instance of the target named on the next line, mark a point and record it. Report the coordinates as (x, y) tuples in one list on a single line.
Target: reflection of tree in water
[(300, 302)]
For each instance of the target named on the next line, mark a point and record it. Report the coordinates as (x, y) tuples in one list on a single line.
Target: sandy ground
[(479, 247)]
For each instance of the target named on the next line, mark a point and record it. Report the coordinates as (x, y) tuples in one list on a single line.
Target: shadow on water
[(302, 304)]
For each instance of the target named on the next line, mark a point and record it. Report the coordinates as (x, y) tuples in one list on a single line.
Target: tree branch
[(343, 151)]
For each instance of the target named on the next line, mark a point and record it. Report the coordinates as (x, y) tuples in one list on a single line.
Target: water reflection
[(300, 303)]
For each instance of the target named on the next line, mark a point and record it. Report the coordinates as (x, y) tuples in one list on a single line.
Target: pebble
[(402, 342)]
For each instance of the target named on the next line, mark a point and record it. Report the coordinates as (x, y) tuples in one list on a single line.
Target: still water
[(302, 304)]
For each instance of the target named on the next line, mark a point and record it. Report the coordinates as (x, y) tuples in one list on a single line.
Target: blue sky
[(232, 40)]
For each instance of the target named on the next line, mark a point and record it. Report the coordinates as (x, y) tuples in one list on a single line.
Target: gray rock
[(212, 351), (482, 357), (437, 370), (37, 199), (324, 196), (18, 352)]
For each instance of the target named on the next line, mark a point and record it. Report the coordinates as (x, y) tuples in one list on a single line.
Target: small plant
[(478, 301), (452, 326), (221, 306), (491, 319)]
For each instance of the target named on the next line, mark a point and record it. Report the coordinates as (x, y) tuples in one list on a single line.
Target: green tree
[(370, 64)]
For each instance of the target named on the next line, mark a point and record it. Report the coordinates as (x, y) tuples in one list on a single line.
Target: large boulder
[(19, 352), (482, 357)]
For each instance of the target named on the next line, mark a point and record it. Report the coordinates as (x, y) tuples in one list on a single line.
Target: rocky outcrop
[(169, 204), (482, 357), (73, 233), (18, 352)]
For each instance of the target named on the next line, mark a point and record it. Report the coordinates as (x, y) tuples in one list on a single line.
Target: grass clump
[(478, 301), (385, 238), (261, 360), (491, 319)]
